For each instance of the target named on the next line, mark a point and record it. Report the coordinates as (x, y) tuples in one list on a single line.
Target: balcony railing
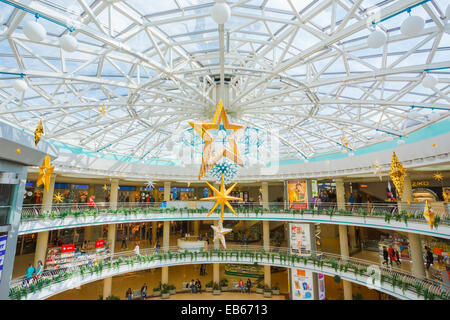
[(375, 274), (389, 211)]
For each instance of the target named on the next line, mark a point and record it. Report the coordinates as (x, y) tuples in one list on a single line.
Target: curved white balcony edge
[(414, 226), (79, 280)]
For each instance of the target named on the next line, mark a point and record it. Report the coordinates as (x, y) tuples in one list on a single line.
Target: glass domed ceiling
[(301, 67)]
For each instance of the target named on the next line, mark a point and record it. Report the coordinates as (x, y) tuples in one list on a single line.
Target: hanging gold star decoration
[(45, 171), (105, 187), (434, 145), (209, 157), (220, 232), (222, 197), (58, 198), (397, 174), (38, 133), (18, 151), (438, 176), (429, 214), (101, 112)]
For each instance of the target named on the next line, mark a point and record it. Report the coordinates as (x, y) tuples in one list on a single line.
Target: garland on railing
[(286, 259), (388, 216)]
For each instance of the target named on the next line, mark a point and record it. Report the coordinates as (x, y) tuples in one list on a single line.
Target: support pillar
[(167, 191), (154, 231), (308, 193), (165, 244), (407, 194), (197, 227), (114, 194), (343, 240), (415, 245), (265, 194), (352, 236), (266, 243), (42, 237), (107, 285)]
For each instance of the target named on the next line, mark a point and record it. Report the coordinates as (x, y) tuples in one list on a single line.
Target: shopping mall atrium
[(224, 150)]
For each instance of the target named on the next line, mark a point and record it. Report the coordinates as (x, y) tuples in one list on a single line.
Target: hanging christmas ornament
[(105, 187), (377, 170), (149, 184), (101, 112), (220, 232), (45, 172), (38, 133), (225, 169), (429, 214), (397, 174), (222, 198), (18, 151), (58, 198), (210, 156)]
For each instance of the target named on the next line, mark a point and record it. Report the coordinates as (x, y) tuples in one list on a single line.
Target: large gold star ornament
[(220, 232), (38, 133), (210, 157), (222, 197), (45, 172), (429, 215), (58, 198), (397, 174)]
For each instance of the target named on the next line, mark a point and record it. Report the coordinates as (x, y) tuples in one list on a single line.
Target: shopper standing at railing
[(129, 294), (28, 275), (91, 202), (429, 257), (391, 254), (144, 291), (38, 270), (385, 255)]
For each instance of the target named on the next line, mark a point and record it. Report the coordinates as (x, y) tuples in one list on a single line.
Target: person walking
[(129, 294), (144, 291), (385, 255), (28, 275), (249, 285), (124, 242), (397, 257), (391, 254), (198, 286), (136, 249), (157, 246), (241, 285), (429, 257), (192, 286)]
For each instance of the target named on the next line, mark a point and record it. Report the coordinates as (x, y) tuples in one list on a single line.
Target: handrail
[(413, 212), (430, 288)]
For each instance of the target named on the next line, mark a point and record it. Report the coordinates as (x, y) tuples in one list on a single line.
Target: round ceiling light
[(376, 39), (34, 31), (220, 12), (68, 42), (400, 141), (412, 26), (429, 81), (20, 85)]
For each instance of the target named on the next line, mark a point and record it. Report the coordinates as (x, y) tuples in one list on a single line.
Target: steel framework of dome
[(302, 67)]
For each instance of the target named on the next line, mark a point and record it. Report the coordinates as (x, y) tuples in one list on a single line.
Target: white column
[(308, 193), (107, 285), (340, 193), (167, 191), (415, 245), (114, 194), (265, 194), (266, 243), (42, 237), (345, 253)]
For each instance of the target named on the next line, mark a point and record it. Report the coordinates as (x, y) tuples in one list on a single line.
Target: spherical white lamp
[(68, 42), (34, 31), (220, 12), (376, 39), (20, 85), (412, 26), (400, 142), (429, 81)]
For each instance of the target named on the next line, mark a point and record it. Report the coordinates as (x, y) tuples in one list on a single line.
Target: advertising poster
[(68, 248), (302, 285), (2, 253), (404, 252), (300, 238), (321, 283), (297, 194)]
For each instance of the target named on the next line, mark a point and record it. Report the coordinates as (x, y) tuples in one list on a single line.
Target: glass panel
[(6, 193)]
